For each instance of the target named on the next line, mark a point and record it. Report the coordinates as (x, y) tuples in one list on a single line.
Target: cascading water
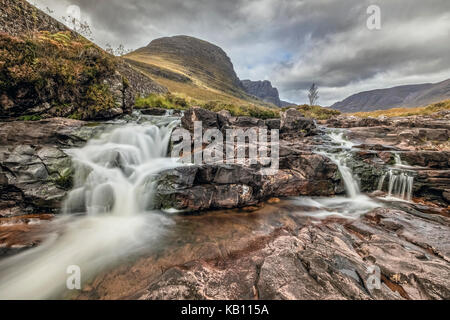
[(113, 173), (356, 203), (107, 214), (340, 159), (401, 181)]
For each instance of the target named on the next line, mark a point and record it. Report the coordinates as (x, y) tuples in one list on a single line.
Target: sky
[(292, 43)]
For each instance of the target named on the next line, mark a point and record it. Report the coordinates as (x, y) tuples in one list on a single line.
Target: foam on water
[(401, 181), (107, 216), (350, 207)]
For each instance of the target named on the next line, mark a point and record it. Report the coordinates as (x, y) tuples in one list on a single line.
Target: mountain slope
[(191, 67), (408, 96), (48, 70), (264, 91)]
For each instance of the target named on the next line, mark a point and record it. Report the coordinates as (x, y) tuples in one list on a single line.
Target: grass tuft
[(317, 112), (179, 102)]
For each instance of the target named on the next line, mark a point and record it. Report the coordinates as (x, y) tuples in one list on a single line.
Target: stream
[(108, 218)]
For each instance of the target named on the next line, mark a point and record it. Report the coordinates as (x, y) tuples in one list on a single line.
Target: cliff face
[(47, 70), (409, 96), (264, 91)]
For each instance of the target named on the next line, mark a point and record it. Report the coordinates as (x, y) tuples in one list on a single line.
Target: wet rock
[(446, 195), (208, 118), (196, 188), (153, 111), (35, 170), (248, 122), (323, 261), (432, 184), (431, 159), (355, 122), (273, 124)]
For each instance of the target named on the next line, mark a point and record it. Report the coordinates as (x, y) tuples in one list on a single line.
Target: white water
[(113, 192), (350, 207), (340, 159), (401, 182)]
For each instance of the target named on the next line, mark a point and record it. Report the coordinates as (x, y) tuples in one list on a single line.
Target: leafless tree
[(313, 95), (118, 52)]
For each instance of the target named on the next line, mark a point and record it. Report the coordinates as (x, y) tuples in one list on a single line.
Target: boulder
[(273, 124), (208, 118), (222, 186), (248, 122), (293, 121)]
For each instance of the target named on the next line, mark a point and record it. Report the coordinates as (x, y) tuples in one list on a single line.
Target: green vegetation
[(243, 110), (171, 101), (405, 112), (30, 118), (167, 101), (316, 112), (65, 179), (193, 68), (62, 69)]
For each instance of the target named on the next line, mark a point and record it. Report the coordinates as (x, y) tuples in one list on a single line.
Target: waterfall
[(401, 182), (398, 160), (340, 159), (350, 207), (113, 174), (400, 185), (107, 215)]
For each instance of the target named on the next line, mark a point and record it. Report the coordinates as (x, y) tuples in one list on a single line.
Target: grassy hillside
[(47, 70), (316, 112), (404, 112), (55, 69), (178, 102), (192, 68)]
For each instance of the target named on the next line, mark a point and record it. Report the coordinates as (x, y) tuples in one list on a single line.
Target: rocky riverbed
[(293, 235)]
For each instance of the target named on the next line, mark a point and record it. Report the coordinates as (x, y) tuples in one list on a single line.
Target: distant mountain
[(408, 96), (264, 91)]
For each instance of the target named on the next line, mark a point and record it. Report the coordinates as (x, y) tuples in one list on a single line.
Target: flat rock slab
[(278, 253)]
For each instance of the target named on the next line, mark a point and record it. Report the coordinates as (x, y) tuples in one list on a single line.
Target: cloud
[(291, 42)]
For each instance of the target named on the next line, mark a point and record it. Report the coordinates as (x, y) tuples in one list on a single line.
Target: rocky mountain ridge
[(264, 91)]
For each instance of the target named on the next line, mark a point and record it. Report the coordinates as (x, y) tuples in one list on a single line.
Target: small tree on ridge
[(313, 95)]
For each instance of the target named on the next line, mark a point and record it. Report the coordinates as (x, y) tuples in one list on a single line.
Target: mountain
[(48, 70), (408, 96), (192, 67), (264, 91)]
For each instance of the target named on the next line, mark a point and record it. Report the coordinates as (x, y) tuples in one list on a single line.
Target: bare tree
[(120, 51), (313, 94)]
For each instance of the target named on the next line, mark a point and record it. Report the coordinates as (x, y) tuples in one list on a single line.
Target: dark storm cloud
[(292, 42)]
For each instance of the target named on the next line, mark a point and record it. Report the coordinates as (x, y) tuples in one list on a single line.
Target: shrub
[(30, 118), (60, 68), (171, 101), (317, 112), (160, 101), (245, 110)]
